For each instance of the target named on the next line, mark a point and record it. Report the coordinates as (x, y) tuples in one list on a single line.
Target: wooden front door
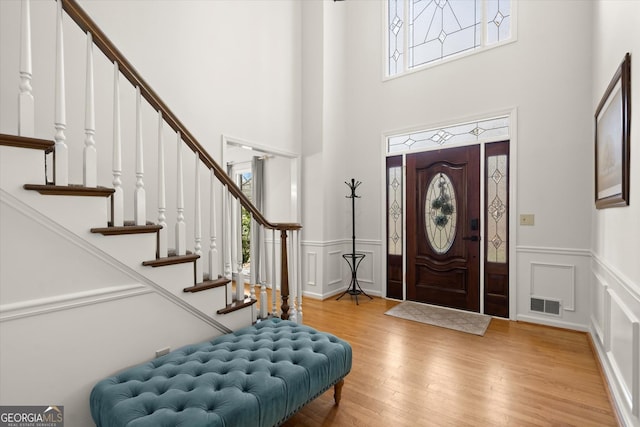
[(443, 227)]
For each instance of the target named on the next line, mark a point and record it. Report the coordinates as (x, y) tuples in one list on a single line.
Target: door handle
[(472, 238)]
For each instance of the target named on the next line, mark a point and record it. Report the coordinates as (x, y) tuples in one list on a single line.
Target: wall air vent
[(547, 306)]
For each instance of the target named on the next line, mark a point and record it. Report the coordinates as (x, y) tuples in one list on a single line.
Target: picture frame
[(612, 145)]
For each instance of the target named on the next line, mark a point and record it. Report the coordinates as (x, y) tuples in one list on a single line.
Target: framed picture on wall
[(613, 120)]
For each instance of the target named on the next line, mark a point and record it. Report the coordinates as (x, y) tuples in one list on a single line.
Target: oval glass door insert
[(440, 208)]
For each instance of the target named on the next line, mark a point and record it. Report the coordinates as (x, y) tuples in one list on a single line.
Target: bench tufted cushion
[(257, 376)]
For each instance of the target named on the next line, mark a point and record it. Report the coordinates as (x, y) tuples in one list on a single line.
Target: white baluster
[(26, 106), (263, 275), (139, 197), (228, 247), (213, 249), (253, 277), (60, 119), (273, 274), (198, 222), (90, 164), (238, 239), (240, 283), (117, 198), (228, 232), (162, 200), (181, 238)]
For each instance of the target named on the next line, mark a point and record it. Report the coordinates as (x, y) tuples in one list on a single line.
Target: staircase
[(104, 265), (88, 203)]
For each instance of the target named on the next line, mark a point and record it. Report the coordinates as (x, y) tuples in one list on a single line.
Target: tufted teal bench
[(257, 376)]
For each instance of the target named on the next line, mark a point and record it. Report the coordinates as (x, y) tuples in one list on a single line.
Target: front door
[(443, 227)]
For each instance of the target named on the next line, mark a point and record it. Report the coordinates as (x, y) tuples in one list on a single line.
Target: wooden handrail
[(80, 17)]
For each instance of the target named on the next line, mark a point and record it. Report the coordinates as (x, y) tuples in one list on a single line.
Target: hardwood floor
[(410, 374)]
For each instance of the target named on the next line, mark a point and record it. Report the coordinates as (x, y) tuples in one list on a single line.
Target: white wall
[(615, 273)]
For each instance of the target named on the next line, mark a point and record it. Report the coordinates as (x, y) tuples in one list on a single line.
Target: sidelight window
[(497, 196)]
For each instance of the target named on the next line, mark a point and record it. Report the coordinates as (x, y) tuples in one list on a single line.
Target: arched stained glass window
[(441, 213)]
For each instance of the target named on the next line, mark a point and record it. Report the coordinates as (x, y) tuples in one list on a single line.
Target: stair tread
[(129, 227), (207, 284), (171, 260), (70, 190), (26, 142), (237, 305)]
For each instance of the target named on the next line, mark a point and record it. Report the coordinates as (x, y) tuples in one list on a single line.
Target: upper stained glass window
[(421, 32)]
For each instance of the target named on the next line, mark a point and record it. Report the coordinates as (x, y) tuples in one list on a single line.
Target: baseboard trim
[(551, 322), (336, 292)]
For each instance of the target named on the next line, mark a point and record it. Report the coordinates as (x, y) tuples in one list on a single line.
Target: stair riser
[(20, 166), (77, 214), (130, 249), (207, 300), (237, 319)]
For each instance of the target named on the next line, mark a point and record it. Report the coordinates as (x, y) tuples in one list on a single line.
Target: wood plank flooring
[(410, 374)]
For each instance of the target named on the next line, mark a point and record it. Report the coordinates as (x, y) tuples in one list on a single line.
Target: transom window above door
[(491, 129), (422, 32)]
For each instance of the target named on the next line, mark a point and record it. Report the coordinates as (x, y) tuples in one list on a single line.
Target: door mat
[(463, 321)]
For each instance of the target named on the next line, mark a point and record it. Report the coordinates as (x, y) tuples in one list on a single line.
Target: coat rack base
[(354, 289)]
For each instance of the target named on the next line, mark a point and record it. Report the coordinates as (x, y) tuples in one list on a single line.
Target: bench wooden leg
[(337, 391)]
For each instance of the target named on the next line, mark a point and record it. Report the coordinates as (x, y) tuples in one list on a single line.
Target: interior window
[(421, 32)]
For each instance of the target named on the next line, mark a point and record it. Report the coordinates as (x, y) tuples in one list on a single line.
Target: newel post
[(284, 273)]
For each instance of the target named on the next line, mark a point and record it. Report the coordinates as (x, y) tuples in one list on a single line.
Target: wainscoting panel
[(365, 272), (623, 349), (312, 269), (553, 286), (615, 328), (327, 274), (556, 281), (598, 317), (334, 268)]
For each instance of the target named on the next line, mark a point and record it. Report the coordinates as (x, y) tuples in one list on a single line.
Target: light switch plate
[(527, 219)]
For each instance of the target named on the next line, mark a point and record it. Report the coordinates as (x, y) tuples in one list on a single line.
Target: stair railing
[(288, 232)]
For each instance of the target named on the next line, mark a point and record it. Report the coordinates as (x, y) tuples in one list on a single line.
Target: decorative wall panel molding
[(556, 281), (365, 272), (312, 269), (334, 267), (598, 304), (623, 350), (615, 328)]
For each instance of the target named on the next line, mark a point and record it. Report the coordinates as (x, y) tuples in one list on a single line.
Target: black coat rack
[(353, 259)]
